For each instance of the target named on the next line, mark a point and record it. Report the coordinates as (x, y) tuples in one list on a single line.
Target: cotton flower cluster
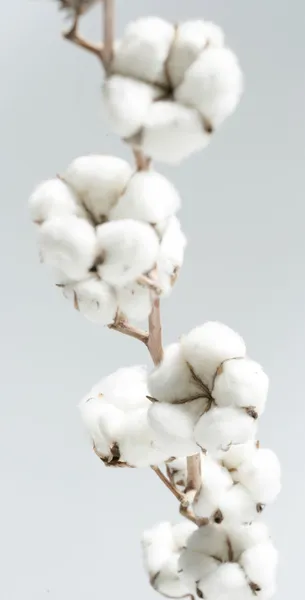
[(231, 563), (102, 229), (162, 546), (115, 416), (170, 87), (207, 393)]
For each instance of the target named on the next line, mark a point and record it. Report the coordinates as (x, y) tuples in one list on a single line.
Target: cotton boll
[(127, 102), (241, 383), (172, 132), (134, 301), (181, 533), (235, 455), (236, 506), (174, 425), (213, 84), (68, 244), (157, 547), (245, 536), (259, 564), (216, 482), (53, 198), (261, 476), (103, 422), (144, 49), (206, 347), (220, 427), (191, 39), (172, 381), (209, 541), (228, 582), (127, 249), (126, 388), (171, 254), (194, 567), (167, 582), (138, 445), (98, 181), (95, 299), (148, 197)]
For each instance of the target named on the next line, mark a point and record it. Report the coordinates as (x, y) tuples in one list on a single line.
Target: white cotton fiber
[(174, 425), (260, 563), (134, 301), (98, 181), (192, 37), (138, 445), (213, 85), (157, 547), (172, 132), (171, 255), (241, 383), (143, 50), (207, 346), (220, 427), (104, 423), (237, 506), (95, 299), (126, 388), (127, 102), (127, 249), (261, 476), (216, 482), (53, 198), (68, 244), (148, 197), (235, 455), (172, 381)]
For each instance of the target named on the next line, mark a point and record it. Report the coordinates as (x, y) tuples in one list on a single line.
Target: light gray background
[(70, 528)]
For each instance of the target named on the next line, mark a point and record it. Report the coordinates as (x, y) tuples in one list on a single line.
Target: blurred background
[(69, 527)]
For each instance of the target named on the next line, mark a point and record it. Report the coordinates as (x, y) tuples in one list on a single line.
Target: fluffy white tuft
[(206, 347), (241, 383), (127, 102), (213, 84), (260, 474), (53, 198), (236, 454), (104, 423), (259, 564), (236, 506), (220, 427), (134, 301), (172, 132), (192, 37), (148, 197), (98, 181), (95, 299), (143, 50), (171, 255), (127, 249), (174, 425), (216, 482), (138, 444), (68, 244)]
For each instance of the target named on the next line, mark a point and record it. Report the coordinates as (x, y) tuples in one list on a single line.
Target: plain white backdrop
[(69, 527)]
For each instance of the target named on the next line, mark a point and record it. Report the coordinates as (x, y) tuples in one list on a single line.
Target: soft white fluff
[(174, 426), (260, 474), (241, 383), (53, 198), (143, 50), (259, 564), (181, 533), (206, 347), (213, 85), (68, 244), (171, 255), (177, 470), (172, 381), (138, 444), (216, 482), (172, 132), (127, 249), (236, 506), (126, 388), (134, 301), (148, 197), (98, 181), (104, 423), (220, 427), (236, 454), (95, 299), (227, 582), (245, 536), (127, 102), (191, 38)]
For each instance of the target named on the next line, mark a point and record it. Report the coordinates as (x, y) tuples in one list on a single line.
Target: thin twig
[(193, 475), (122, 326), (73, 36), (176, 493), (108, 32), (142, 162), (154, 343), (146, 281)]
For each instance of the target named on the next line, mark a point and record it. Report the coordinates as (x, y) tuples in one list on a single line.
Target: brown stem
[(142, 162), (73, 36), (146, 281), (193, 474), (154, 343), (108, 32), (178, 495), (124, 327)]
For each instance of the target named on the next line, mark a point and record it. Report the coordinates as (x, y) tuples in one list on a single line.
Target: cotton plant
[(110, 238)]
